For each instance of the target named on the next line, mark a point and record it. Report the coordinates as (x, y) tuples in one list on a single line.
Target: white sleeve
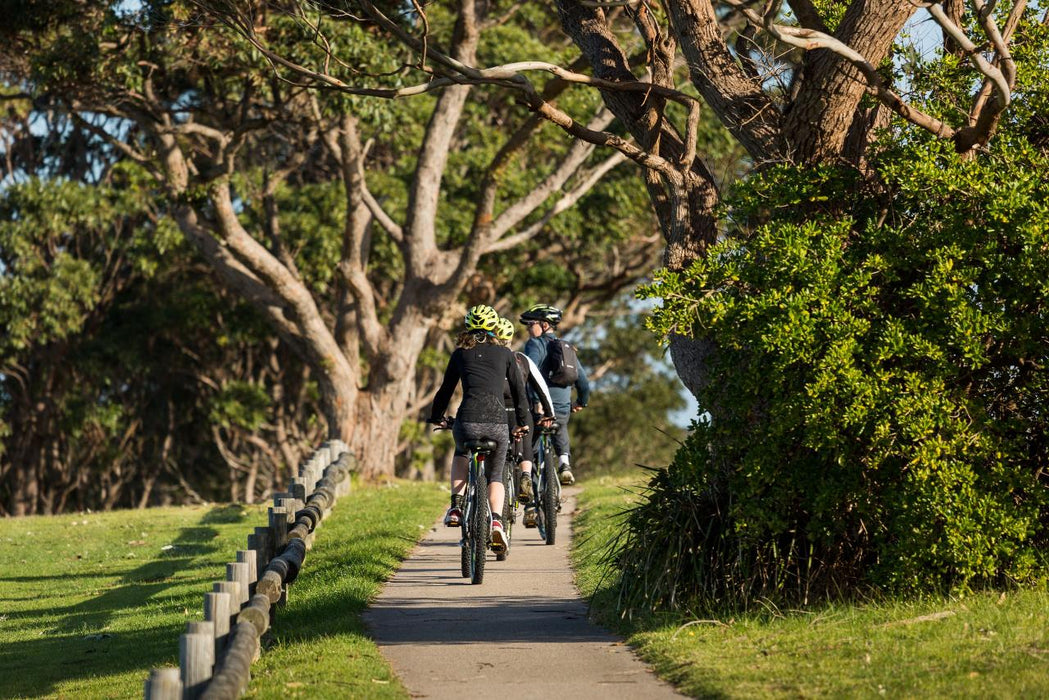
[(540, 382)]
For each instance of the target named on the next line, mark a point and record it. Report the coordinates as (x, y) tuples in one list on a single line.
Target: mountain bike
[(511, 477), (546, 487), (477, 518)]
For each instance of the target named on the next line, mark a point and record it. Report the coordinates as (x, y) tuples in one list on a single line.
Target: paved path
[(523, 633)]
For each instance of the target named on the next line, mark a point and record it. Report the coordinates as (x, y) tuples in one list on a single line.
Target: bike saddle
[(481, 445)]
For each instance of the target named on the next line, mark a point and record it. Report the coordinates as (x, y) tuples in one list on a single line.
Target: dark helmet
[(542, 312)]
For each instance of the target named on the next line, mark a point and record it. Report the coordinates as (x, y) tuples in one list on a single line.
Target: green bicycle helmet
[(481, 318), (504, 329), (542, 312)]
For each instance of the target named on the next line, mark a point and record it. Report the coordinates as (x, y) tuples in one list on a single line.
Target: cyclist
[(484, 367), (536, 386), (542, 320)]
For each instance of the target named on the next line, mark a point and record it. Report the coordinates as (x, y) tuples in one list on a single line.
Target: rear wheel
[(538, 490), (481, 534), (508, 511), (464, 548)]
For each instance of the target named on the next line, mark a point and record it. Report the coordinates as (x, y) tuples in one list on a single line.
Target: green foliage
[(876, 413), (628, 421), (240, 404), (973, 646)]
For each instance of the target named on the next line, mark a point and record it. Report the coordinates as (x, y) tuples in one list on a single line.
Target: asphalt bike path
[(522, 633)]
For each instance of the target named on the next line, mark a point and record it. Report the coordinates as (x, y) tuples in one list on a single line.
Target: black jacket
[(484, 370)]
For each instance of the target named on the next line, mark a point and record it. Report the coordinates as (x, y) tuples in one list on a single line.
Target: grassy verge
[(89, 603), (989, 645)]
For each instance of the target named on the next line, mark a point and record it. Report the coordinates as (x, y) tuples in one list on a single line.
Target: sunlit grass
[(990, 645), (90, 602)]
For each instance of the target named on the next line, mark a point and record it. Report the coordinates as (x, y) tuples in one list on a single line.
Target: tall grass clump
[(875, 416)]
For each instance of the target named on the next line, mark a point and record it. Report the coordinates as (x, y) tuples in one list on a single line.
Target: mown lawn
[(990, 645), (89, 603)]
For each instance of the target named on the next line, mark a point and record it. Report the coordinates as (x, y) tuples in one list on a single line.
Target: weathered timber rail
[(215, 655)]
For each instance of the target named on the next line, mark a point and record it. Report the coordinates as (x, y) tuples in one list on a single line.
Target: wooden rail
[(215, 655)]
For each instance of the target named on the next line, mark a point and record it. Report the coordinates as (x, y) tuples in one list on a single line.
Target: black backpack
[(561, 366)]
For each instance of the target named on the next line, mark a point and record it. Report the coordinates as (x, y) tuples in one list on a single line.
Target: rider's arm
[(538, 385), (582, 387), (444, 394), (517, 389), (535, 349)]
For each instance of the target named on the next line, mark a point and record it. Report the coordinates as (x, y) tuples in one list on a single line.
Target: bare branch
[(809, 39), (573, 160), (563, 204), (955, 32)]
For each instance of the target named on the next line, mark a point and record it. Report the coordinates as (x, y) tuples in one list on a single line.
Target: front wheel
[(549, 506)]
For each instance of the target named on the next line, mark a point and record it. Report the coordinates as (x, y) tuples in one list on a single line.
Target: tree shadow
[(77, 640)]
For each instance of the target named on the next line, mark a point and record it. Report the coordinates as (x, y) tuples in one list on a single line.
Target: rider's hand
[(520, 432), (577, 408), (546, 421)]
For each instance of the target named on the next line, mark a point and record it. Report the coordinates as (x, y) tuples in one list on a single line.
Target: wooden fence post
[(232, 589), (264, 547), (278, 528), (239, 572), (164, 684), (196, 652), (249, 557), (217, 611)]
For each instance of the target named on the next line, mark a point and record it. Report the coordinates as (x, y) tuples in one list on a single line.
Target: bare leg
[(496, 496), (526, 467), (460, 470)]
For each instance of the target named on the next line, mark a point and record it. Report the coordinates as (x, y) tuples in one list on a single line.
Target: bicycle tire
[(509, 484), (481, 533), (539, 487), (549, 510), (464, 543)]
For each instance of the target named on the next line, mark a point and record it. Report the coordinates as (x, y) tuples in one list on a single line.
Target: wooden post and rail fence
[(215, 655)]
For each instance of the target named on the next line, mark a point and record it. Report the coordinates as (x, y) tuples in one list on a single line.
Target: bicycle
[(477, 518), (545, 484), (511, 477)]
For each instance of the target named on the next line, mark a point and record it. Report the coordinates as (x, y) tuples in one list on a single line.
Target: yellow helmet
[(481, 318), (504, 329)]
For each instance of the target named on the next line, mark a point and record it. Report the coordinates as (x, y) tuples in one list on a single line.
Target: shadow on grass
[(80, 644)]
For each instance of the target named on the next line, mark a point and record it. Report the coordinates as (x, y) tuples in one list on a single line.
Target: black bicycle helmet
[(542, 312)]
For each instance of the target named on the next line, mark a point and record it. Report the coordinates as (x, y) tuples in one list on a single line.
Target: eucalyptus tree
[(354, 229), (806, 83)]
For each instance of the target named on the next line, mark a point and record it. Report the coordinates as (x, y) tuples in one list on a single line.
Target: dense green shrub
[(877, 415)]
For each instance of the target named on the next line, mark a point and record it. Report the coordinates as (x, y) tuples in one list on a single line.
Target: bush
[(878, 408)]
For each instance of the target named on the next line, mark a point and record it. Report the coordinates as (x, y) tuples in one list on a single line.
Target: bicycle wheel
[(549, 507), (464, 543), (480, 525), (509, 504), (539, 489)]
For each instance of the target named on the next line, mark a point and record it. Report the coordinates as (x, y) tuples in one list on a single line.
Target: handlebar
[(445, 424)]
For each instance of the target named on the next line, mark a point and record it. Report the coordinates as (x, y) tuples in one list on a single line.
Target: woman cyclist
[(533, 380), (484, 367)]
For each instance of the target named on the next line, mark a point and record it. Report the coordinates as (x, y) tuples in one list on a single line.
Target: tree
[(808, 85), (938, 488), (235, 151), (881, 374)]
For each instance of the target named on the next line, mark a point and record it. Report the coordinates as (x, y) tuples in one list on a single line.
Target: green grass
[(989, 645), (90, 602)]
